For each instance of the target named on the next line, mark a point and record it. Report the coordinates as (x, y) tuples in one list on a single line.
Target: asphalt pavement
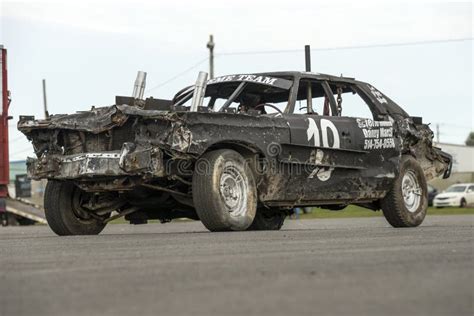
[(357, 266)]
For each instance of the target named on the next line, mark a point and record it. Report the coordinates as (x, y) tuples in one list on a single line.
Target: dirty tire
[(224, 191), (401, 211), (59, 211), (264, 220)]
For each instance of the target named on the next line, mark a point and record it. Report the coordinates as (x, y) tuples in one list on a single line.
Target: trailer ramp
[(26, 210)]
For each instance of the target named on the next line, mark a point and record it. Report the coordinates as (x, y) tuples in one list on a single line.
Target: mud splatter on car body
[(143, 153)]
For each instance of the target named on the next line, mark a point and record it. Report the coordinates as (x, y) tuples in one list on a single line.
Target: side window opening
[(350, 103), (319, 104)]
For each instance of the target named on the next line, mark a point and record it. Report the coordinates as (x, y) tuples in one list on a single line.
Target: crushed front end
[(98, 149)]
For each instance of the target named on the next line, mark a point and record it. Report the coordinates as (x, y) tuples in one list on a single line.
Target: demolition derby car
[(236, 152)]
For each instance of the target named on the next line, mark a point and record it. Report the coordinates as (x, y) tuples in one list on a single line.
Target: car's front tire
[(224, 191), (406, 204), (463, 203), (64, 213)]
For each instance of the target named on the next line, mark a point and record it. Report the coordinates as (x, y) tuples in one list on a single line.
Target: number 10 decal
[(326, 126)]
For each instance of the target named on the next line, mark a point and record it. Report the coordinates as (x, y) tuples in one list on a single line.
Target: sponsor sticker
[(377, 94), (377, 134)]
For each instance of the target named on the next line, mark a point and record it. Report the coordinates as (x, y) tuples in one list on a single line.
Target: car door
[(338, 157)]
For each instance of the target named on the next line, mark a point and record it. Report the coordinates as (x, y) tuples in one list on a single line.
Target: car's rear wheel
[(224, 191), (267, 220), (406, 204), (65, 216)]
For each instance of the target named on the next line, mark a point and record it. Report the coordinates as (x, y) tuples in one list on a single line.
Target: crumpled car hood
[(96, 121)]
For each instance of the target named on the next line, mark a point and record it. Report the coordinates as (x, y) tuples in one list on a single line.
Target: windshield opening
[(241, 96)]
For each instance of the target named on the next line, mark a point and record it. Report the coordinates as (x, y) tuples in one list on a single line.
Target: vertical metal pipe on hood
[(45, 100), (199, 91), (140, 83)]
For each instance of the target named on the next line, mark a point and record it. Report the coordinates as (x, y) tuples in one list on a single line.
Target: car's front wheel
[(64, 213), (463, 203), (224, 191), (406, 204)]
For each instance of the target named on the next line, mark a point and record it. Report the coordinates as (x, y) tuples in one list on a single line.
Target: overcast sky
[(90, 51)]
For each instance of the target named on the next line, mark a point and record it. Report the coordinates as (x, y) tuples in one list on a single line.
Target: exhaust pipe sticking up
[(199, 91), (140, 83)]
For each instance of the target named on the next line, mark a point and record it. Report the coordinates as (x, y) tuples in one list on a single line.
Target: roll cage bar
[(291, 81)]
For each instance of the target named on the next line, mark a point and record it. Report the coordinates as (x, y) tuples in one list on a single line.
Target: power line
[(178, 75), (284, 51)]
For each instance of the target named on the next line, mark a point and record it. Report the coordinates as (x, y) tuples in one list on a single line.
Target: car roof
[(306, 74), (388, 106)]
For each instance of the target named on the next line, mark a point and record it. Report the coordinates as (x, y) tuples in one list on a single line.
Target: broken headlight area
[(131, 160)]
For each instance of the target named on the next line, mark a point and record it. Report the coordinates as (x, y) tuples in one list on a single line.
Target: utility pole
[(45, 103), (437, 133), (211, 45)]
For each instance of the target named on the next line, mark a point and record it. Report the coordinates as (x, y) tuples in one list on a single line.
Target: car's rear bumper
[(130, 161)]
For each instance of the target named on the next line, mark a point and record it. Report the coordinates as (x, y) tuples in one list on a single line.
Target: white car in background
[(459, 195)]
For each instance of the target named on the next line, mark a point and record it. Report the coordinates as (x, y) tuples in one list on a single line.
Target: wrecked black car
[(236, 152)]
